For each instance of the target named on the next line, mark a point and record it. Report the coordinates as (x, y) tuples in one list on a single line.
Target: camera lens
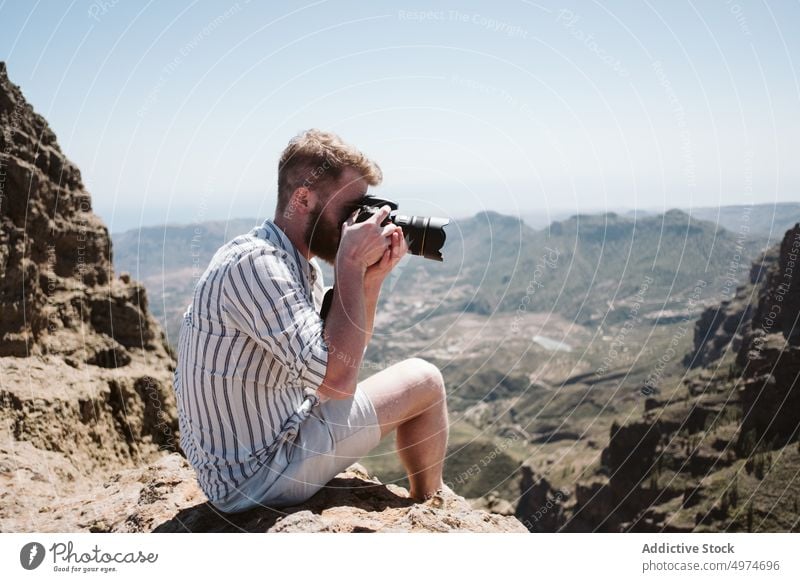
[(425, 234)]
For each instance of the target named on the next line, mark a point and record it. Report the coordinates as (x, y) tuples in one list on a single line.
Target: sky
[(177, 112)]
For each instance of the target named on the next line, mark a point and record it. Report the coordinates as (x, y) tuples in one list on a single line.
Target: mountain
[(756, 221), (719, 450), (768, 220), (86, 371), (587, 268)]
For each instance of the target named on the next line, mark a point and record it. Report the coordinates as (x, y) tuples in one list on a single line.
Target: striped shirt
[(251, 356)]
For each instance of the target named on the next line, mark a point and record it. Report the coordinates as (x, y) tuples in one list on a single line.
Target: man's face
[(324, 227)]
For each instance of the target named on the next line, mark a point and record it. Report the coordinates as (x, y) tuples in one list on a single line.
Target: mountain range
[(586, 267)]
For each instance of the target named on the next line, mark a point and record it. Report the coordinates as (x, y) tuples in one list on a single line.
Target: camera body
[(369, 205), (424, 234)]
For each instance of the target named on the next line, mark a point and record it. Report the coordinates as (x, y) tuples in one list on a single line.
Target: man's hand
[(348, 325), (376, 273), (365, 243)]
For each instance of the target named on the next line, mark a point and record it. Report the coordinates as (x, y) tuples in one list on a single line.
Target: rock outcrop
[(88, 426), (86, 374), (717, 452), (770, 354), (164, 497), (723, 327), (58, 294), (540, 506)]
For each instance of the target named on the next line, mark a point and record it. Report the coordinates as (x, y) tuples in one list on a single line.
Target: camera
[(424, 234)]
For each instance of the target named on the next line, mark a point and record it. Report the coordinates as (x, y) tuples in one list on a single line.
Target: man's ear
[(303, 199)]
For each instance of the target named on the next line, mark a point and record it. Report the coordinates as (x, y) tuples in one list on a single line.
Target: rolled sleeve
[(264, 300)]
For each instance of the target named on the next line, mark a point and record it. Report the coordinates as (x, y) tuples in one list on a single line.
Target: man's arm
[(371, 295), (345, 335), (376, 275), (362, 245)]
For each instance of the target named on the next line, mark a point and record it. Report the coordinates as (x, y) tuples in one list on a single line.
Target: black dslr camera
[(424, 234)]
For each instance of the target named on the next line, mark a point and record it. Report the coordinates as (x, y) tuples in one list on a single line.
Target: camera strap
[(326, 303)]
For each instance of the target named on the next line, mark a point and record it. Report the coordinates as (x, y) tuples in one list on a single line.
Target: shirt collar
[(276, 235)]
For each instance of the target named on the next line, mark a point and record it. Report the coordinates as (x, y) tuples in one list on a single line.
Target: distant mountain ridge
[(493, 262), (759, 220), (770, 219), (597, 264)]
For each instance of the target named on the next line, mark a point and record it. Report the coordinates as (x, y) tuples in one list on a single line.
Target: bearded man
[(269, 404)]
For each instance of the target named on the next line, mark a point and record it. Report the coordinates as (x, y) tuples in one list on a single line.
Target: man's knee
[(428, 377)]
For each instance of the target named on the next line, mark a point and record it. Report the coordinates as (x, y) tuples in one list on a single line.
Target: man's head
[(321, 179)]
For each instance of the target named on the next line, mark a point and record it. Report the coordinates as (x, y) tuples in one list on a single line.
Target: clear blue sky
[(177, 111)]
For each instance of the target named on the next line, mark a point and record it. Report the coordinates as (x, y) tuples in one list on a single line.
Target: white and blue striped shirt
[(251, 356)]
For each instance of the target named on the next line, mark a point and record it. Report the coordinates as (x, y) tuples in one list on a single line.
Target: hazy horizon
[(534, 218)]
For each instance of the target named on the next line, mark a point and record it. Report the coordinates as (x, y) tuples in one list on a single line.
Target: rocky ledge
[(164, 497)]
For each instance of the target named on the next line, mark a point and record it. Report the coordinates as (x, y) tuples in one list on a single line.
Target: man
[(269, 403)]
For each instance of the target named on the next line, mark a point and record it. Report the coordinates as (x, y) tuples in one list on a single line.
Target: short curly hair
[(316, 159)]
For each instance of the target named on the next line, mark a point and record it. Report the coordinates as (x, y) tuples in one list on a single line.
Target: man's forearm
[(371, 295), (345, 330)]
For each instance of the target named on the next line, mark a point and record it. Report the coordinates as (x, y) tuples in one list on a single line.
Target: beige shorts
[(336, 434)]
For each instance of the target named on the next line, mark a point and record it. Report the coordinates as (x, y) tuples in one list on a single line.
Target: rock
[(494, 503), (97, 417), (718, 327), (540, 506), (85, 372), (164, 497), (729, 324), (594, 507), (779, 293), (770, 353), (58, 295), (660, 467)]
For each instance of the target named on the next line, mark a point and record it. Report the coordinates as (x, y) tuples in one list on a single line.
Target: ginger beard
[(322, 235)]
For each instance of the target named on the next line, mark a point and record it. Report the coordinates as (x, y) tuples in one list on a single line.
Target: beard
[(322, 237)]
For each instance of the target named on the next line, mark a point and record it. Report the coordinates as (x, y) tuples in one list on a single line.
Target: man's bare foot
[(439, 494), (418, 497)]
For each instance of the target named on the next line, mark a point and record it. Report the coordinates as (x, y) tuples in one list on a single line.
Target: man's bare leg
[(410, 396)]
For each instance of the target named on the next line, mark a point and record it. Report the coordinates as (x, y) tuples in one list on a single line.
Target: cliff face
[(723, 327), (87, 412), (86, 374), (58, 294), (717, 452), (770, 355)]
